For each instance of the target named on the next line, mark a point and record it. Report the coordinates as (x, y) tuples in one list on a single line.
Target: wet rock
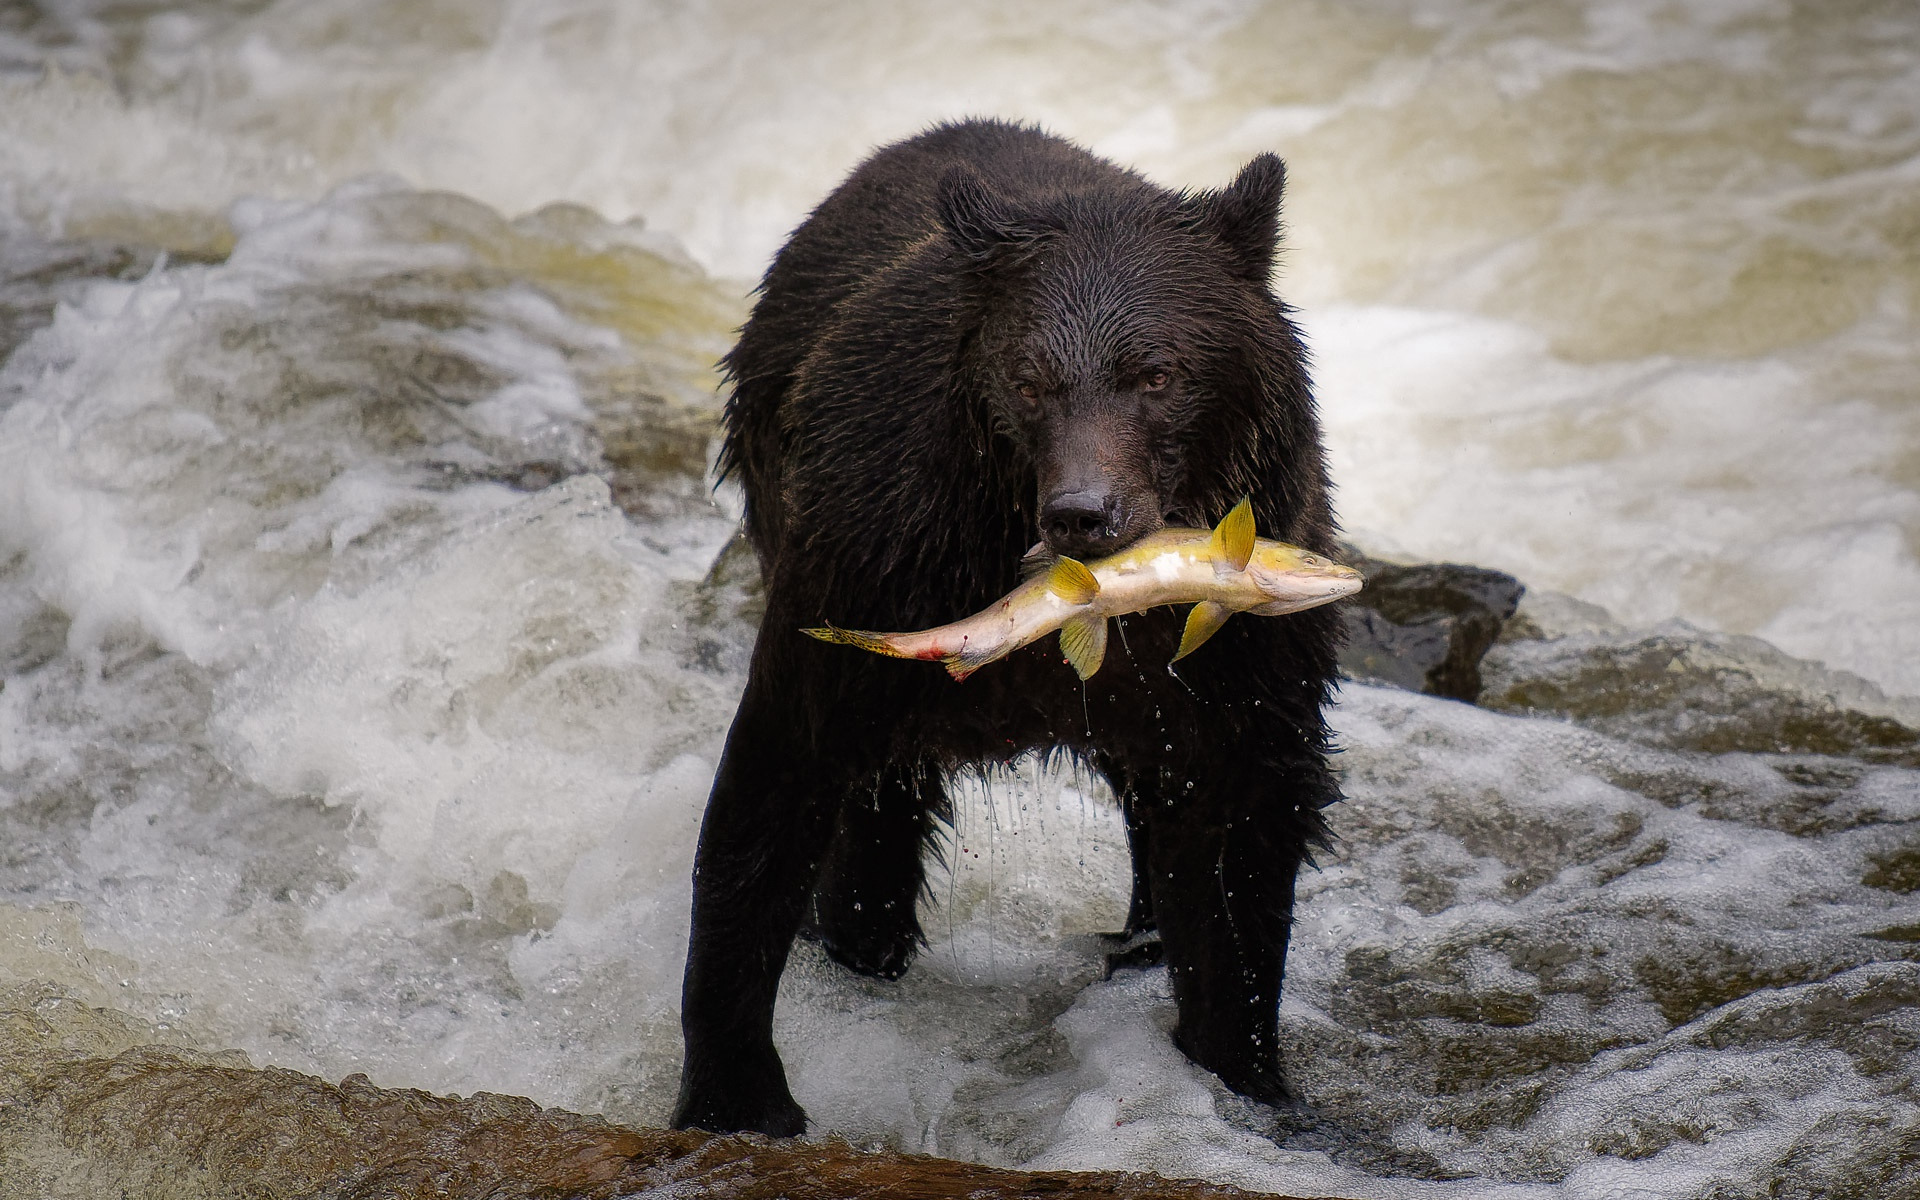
[(1682, 688), (721, 614), (89, 1106), (1861, 1149), (1425, 627)]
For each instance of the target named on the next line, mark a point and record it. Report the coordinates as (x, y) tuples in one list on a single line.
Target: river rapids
[(369, 628)]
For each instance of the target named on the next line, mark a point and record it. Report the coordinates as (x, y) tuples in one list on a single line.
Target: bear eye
[(1153, 381), (1028, 391)]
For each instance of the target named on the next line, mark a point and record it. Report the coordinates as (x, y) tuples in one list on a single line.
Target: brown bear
[(988, 338)]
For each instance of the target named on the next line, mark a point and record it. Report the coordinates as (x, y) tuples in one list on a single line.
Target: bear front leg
[(1222, 862), (864, 903), (1140, 904), (1137, 944), (767, 825)]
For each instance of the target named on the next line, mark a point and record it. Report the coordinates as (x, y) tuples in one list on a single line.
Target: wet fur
[(888, 487)]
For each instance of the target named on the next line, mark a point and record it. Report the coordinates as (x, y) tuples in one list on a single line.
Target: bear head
[(1118, 335)]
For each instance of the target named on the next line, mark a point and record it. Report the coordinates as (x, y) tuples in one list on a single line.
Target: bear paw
[(720, 1112), (882, 957), (881, 948), (1255, 1076)]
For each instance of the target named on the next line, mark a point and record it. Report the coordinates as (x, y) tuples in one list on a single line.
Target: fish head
[(1293, 579)]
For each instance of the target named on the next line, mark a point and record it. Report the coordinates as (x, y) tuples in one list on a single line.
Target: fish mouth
[(1340, 581), (1345, 579), (1305, 587)]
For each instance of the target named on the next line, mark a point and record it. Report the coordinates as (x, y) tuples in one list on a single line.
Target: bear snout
[(1095, 521), (1077, 521)]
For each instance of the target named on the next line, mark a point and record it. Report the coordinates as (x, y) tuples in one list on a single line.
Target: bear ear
[(977, 220), (1245, 215)]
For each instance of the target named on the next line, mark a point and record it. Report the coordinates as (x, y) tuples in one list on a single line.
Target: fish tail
[(865, 639)]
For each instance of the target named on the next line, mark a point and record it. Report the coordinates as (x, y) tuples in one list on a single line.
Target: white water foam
[(332, 732)]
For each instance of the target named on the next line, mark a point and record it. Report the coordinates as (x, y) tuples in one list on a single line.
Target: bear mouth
[(1089, 542)]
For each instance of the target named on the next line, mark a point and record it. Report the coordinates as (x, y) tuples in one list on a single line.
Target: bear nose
[(1080, 524)]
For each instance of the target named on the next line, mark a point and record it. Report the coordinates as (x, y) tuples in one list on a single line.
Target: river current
[(368, 631)]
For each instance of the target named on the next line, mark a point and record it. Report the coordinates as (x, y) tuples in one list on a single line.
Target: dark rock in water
[(1463, 632), (1682, 688), (1426, 627), (721, 614)]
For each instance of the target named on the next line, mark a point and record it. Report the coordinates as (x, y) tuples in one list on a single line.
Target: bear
[(989, 344)]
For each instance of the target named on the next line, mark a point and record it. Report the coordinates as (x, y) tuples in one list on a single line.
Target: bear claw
[(880, 959)]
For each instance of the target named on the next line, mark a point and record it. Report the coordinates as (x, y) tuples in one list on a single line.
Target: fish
[(1222, 571)]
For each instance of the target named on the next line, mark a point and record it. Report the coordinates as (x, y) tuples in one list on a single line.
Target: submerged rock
[(1682, 688), (1425, 627), (36, 274)]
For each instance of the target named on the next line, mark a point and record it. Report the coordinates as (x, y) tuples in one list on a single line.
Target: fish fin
[(1084, 641), (1038, 560), (1202, 623), (1233, 537), (1070, 580), (865, 639), (964, 663)]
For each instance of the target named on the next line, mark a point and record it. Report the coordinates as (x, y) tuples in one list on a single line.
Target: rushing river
[(368, 639)]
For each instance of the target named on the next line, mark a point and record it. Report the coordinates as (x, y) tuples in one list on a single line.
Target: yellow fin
[(1233, 537), (875, 642), (1084, 641), (1202, 623), (1070, 580)]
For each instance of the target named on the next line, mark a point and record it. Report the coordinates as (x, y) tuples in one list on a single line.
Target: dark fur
[(896, 470)]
